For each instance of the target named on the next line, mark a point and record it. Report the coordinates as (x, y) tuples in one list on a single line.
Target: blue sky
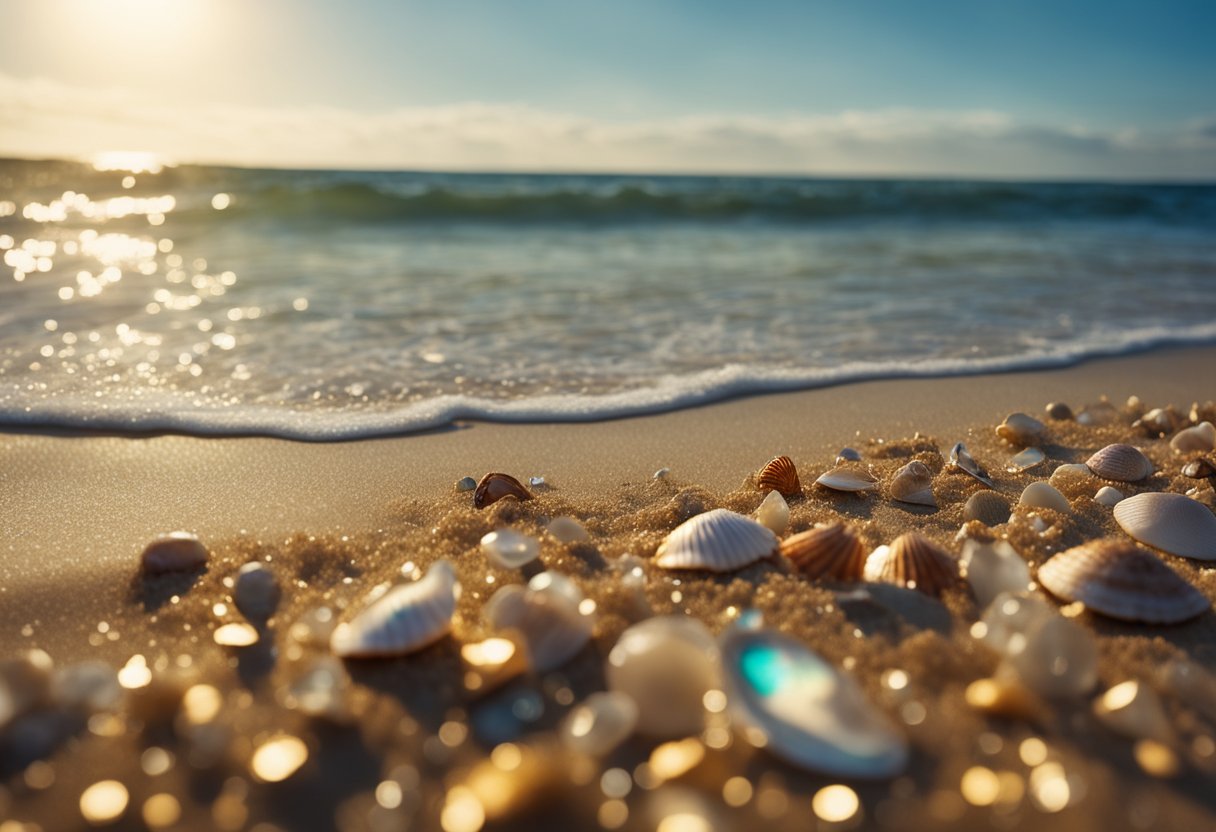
[(1059, 89)]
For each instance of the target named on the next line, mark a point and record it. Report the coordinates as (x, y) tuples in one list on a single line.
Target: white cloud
[(48, 119)]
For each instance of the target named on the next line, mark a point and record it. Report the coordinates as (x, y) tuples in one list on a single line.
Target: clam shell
[(915, 562), (1201, 437), (845, 478), (781, 476), (826, 552), (1170, 522), (173, 552), (406, 618), (1020, 429), (989, 507), (914, 484), (960, 459), (494, 486), (546, 616), (717, 541), (1123, 581), (1044, 495), (1119, 462)]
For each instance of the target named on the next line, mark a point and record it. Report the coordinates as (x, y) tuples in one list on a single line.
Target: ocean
[(324, 305)]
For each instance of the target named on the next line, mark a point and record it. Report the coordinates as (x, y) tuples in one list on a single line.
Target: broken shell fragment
[(1020, 429), (1201, 437), (495, 486), (1123, 581), (914, 484), (1043, 495), (847, 478), (406, 618), (781, 476), (548, 616), (1108, 496), (1170, 522), (914, 562), (1198, 469), (1119, 462), (826, 553), (1025, 460), (174, 552), (257, 592), (960, 459), (989, 507), (774, 513), (716, 541)]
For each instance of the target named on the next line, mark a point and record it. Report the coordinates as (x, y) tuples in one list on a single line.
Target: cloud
[(49, 119)]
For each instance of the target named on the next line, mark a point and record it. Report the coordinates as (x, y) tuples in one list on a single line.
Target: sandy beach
[(398, 747)]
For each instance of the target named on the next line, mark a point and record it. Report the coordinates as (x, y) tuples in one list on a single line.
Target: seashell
[(1070, 474), (781, 476), (1059, 411), (1119, 462), (466, 484), (509, 549), (548, 616), (1108, 496), (774, 513), (666, 664), (914, 484), (993, 568), (1197, 469), (1025, 460), (826, 553), (661, 473), (960, 459), (1054, 657), (568, 530), (600, 723), (845, 478), (1134, 710), (1170, 522), (1157, 422), (406, 618), (989, 507), (914, 562), (848, 455), (717, 541), (1201, 437), (493, 487), (257, 592), (808, 713), (1123, 581), (1044, 495), (1020, 429), (173, 552)]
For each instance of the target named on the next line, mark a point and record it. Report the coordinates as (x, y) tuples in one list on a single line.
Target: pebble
[(466, 484), (600, 723), (774, 513), (509, 549), (1108, 496), (174, 552), (1058, 659), (568, 530), (257, 592)]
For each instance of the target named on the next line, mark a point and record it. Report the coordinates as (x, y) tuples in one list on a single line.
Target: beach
[(397, 748)]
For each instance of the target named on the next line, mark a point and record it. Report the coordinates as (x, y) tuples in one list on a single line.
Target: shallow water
[(328, 304)]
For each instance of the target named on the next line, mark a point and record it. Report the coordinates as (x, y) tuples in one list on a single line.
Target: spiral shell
[(914, 484), (406, 618), (915, 562), (1170, 522), (494, 486), (1201, 437), (1120, 462), (989, 507), (826, 552), (781, 476), (717, 541)]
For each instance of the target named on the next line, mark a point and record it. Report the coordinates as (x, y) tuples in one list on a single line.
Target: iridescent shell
[(913, 483), (716, 541), (494, 486), (406, 618), (781, 476), (1201, 437), (1123, 581), (989, 507), (1170, 522), (960, 459), (174, 552), (1120, 462), (1020, 429), (826, 552), (914, 562), (847, 478)]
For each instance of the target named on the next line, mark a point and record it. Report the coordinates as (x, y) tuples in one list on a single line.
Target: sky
[(1063, 89)]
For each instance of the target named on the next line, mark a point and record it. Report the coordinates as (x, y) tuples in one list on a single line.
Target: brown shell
[(781, 476), (918, 563), (989, 507), (826, 552), (493, 487), (1119, 462), (1123, 581)]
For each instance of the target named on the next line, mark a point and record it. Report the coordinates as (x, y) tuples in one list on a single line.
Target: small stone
[(600, 723), (466, 484), (993, 568), (568, 530), (320, 691), (1059, 411), (1058, 658), (848, 455), (257, 592), (509, 549), (88, 687), (774, 513), (1199, 469), (1108, 496), (536, 481), (1134, 710), (236, 635), (24, 684), (174, 552), (661, 473)]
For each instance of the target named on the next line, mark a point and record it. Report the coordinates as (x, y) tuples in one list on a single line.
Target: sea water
[(326, 304)]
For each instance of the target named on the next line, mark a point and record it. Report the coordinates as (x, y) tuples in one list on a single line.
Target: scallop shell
[(717, 541), (547, 615), (989, 507), (915, 562), (406, 618), (1020, 429), (1201, 437), (173, 552), (845, 478), (1170, 522), (494, 486), (827, 552), (1119, 462), (1123, 581), (781, 476), (1044, 495), (960, 459), (914, 484)]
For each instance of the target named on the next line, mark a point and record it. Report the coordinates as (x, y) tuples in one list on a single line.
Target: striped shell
[(915, 562), (1020, 429), (546, 617), (826, 552), (1123, 581), (406, 618), (1122, 463), (914, 484), (494, 486), (716, 541), (960, 459), (173, 552), (845, 478), (1044, 495), (1170, 522), (781, 476), (1201, 437), (989, 507)]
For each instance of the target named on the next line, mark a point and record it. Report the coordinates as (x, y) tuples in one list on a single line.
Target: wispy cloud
[(46, 119)]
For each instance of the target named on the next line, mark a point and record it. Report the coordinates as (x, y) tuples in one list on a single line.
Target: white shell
[(774, 513), (1170, 522), (1071, 473), (717, 541), (1020, 429), (845, 478), (1043, 495), (914, 484), (960, 459), (1108, 496), (1156, 422), (406, 618), (1120, 462), (174, 552), (547, 616), (1201, 437)]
